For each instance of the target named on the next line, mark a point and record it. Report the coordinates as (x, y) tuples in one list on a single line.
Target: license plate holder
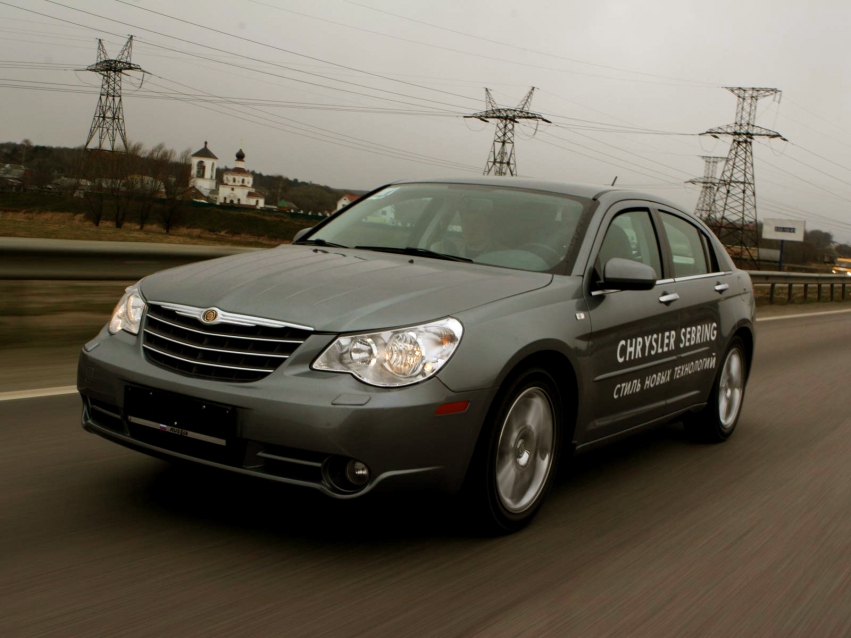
[(180, 415)]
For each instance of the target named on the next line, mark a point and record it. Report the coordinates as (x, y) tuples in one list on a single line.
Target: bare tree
[(92, 167), (149, 186), (26, 145), (122, 169), (175, 184)]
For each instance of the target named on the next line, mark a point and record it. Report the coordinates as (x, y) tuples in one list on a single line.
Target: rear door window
[(688, 249)]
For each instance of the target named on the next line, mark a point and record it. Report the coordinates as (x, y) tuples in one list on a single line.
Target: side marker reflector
[(452, 408)]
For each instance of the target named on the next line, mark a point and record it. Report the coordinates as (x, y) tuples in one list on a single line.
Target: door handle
[(668, 298), (721, 287)]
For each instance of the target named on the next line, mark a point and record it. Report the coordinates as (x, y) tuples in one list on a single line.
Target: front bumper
[(291, 424)]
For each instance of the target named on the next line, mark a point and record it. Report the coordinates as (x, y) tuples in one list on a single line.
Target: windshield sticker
[(661, 342), (385, 193)]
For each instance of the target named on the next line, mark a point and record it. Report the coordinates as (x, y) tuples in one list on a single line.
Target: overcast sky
[(387, 81)]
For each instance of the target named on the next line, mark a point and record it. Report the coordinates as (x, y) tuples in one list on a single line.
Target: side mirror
[(302, 233), (625, 274)]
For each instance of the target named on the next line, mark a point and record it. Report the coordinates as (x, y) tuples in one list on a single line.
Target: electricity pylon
[(501, 160), (705, 208), (108, 122), (735, 197)]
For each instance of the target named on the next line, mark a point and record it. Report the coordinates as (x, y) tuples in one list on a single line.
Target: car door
[(632, 331), (702, 288)]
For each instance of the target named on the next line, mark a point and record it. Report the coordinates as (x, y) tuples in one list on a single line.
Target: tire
[(717, 421), (517, 455)]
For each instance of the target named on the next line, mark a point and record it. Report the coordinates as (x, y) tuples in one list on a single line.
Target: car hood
[(335, 290)]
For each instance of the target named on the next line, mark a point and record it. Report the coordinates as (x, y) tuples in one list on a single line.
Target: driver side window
[(631, 236)]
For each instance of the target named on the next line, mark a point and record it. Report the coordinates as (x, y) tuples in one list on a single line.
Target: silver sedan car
[(458, 335)]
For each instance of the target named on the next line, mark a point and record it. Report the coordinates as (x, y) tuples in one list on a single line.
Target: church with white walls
[(204, 170), (236, 187)]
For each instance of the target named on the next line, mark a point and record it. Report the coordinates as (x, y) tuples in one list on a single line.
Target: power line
[(442, 163), (525, 49), (629, 167), (625, 151), (334, 133), (451, 50), (795, 175), (231, 54), (237, 55), (301, 55), (816, 115), (214, 99), (821, 157)]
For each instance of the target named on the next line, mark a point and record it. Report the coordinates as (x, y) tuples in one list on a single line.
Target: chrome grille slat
[(189, 344), (215, 334), (222, 351), (205, 363)]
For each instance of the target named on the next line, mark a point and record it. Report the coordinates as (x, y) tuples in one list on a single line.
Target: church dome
[(240, 155)]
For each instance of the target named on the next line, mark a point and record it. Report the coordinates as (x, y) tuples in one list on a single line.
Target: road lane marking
[(71, 389), (804, 314), (36, 394)]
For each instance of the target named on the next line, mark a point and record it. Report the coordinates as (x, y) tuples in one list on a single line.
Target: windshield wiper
[(412, 250), (319, 242)]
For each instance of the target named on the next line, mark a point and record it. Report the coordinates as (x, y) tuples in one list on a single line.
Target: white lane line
[(804, 314), (72, 389), (35, 394)]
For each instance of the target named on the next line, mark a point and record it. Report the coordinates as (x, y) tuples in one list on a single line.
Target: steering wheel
[(548, 254)]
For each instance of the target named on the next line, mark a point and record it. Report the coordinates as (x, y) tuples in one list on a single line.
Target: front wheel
[(717, 421), (518, 453)]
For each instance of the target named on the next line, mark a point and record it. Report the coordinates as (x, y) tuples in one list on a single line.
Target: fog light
[(357, 473)]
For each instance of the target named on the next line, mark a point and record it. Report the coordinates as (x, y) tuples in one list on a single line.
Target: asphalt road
[(650, 537)]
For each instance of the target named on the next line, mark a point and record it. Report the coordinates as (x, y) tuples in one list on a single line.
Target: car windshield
[(497, 226)]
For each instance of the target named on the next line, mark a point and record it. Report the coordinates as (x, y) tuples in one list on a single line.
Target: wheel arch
[(745, 333), (563, 370)]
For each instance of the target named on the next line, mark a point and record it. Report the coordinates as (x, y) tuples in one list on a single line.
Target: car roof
[(589, 191), (562, 188)]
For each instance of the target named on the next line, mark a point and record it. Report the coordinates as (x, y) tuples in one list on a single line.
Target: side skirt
[(591, 445)]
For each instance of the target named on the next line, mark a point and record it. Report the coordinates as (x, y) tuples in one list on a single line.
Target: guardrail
[(59, 259), (791, 279)]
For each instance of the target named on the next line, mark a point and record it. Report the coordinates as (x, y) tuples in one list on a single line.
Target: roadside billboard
[(783, 229)]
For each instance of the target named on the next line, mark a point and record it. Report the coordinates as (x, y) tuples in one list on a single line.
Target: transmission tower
[(735, 197), (501, 159), (705, 208), (108, 122)]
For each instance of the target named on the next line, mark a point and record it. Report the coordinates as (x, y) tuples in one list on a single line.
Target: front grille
[(223, 352)]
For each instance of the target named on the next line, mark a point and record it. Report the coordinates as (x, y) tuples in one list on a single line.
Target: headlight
[(128, 313), (393, 357)]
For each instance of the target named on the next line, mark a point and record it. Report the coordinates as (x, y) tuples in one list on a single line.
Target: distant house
[(347, 199), (143, 184), (194, 194), (16, 172), (8, 184), (71, 185)]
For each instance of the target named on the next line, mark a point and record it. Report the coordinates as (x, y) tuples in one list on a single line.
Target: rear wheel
[(717, 421), (518, 453)]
